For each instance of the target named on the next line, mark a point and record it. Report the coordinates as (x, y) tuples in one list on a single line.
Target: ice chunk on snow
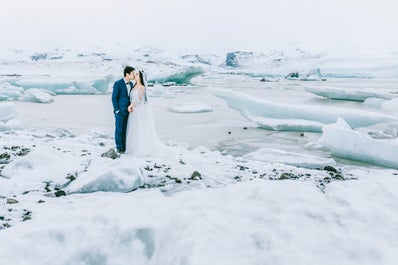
[(10, 125), (288, 124), (373, 102), (347, 143), (348, 94), (290, 158), (10, 92), (38, 95), (253, 108), (116, 176), (7, 111), (191, 107)]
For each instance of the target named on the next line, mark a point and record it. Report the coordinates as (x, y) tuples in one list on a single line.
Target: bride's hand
[(130, 108)]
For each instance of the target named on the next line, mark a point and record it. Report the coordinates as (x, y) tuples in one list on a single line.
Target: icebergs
[(344, 142), (272, 115), (290, 158), (191, 107), (349, 94), (10, 92), (38, 96), (182, 78)]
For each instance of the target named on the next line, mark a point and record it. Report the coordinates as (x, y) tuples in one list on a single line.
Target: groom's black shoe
[(120, 151)]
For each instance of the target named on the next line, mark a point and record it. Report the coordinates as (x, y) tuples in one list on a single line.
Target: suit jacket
[(120, 97)]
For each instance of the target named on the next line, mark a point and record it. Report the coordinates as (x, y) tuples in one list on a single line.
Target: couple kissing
[(135, 131)]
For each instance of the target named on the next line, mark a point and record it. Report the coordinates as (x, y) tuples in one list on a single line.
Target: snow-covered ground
[(315, 187)]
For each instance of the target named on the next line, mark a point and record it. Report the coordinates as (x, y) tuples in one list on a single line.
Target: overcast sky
[(200, 26)]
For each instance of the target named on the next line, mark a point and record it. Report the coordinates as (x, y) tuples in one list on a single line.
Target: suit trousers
[(120, 131)]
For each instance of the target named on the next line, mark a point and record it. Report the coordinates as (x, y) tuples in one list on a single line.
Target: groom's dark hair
[(128, 70)]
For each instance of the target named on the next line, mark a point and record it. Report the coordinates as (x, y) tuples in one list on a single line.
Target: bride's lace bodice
[(135, 96)]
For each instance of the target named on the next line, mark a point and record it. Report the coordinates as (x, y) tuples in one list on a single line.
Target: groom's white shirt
[(128, 86)]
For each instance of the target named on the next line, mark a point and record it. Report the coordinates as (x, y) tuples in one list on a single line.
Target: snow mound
[(7, 111)]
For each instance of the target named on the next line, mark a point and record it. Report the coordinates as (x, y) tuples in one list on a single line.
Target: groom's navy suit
[(120, 102)]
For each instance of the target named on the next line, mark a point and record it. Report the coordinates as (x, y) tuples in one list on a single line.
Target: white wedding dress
[(141, 138)]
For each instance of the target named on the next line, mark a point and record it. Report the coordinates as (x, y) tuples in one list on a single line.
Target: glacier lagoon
[(248, 175)]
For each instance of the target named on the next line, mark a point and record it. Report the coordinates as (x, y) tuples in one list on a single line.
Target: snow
[(347, 143), (224, 190), (390, 105), (7, 111), (247, 223)]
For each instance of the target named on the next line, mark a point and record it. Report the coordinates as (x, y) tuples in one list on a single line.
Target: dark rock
[(338, 177), (41, 201), (292, 75), (59, 193), (229, 132), (5, 156), (243, 168), (182, 162), (27, 215), (330, 169), (244, 128), (1, 218), (72, 177), (23, 152), (327, 179), (12, 201), (196, 176), (47, 187), (287, 175), (177, 180), (101, 144), (147, 168), (301, 134), (111, 153)]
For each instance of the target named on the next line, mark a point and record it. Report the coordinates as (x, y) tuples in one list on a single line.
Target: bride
[(141, 136)]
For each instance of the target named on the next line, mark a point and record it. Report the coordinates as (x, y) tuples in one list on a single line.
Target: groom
[(120, 102)]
